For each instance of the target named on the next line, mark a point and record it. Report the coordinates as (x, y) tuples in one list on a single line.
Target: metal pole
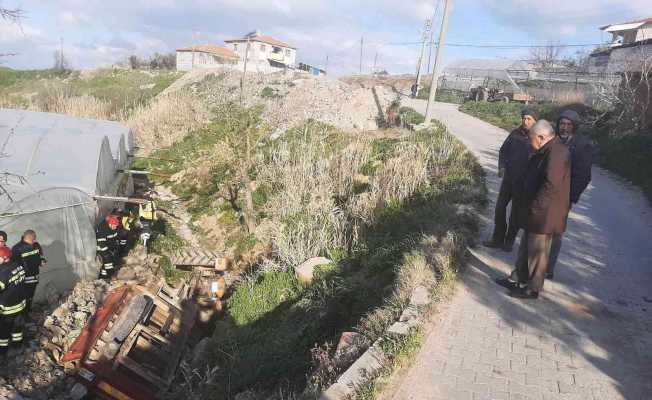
[(375, 61), (438, 60), (244, 72), (361, 46), (423, 48)]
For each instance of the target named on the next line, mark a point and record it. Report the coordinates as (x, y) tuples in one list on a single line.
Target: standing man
[(512, 161), (106, 235), (581, 151), (546, 188), (12, 302), (29, 254)]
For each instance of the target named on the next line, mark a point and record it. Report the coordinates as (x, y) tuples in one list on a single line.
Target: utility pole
[(438, 60), (432, 34), (326, 67), (375, 61), (244, 70), (426, 31), (361, 47), (61, 65)]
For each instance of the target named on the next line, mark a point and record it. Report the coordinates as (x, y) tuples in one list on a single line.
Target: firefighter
[(106, 235), (147, 216), (12, 302), (29, 254), (123, 230), (3, 239)]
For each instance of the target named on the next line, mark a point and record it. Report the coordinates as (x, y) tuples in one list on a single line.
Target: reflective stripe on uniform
[(17, 337), (111, 236), (4, 342), (29, 253), (102, 248), (102, 272), (12, 309), (101, 239), (31, 279), (108, 266), (2, 286)]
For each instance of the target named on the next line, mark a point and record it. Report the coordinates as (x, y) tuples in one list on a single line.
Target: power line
[(497, 46)]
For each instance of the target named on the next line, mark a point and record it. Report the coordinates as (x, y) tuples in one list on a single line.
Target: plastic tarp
[(121, 138), (50, 169)]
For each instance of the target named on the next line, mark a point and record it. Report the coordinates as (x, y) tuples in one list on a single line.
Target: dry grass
[(167, 119)]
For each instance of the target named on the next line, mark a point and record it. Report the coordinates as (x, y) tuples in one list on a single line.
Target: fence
[(546, 86)]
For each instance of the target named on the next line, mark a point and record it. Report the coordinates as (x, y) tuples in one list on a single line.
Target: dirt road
[(589, 337)]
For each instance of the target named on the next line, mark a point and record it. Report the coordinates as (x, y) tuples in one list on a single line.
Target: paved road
[(588, 337)]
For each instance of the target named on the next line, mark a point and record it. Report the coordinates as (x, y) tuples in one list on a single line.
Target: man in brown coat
[(546, 188)]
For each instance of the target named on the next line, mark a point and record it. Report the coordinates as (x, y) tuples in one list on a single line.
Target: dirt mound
[(292, 97)]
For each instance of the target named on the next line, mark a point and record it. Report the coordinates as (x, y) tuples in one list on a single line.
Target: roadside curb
[(367, 366)]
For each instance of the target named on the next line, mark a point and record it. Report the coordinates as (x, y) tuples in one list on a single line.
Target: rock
[(126, 274), (305, 270), (347, 340), (420, 297)]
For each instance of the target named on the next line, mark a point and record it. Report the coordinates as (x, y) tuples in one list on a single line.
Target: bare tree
[(60, 61), (628, 94), (11, 15), (545, 56)]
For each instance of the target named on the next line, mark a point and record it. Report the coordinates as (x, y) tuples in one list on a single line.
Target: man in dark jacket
[(512, 161), (546, 188), (12, 302), (29, 254), (581, 151)]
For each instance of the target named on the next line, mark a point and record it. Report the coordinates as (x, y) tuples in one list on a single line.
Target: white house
[(266, 54), (205, 56), (630, 48)]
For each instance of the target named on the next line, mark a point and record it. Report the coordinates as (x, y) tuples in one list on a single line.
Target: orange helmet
[(5, 252), (112, 220)]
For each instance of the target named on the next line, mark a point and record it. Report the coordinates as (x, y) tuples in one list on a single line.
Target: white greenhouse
[(51, 168)]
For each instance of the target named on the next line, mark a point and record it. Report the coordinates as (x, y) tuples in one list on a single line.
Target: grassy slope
[(629, 156), (123, 89)]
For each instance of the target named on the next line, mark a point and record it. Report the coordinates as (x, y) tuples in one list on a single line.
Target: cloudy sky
[(100, 32)]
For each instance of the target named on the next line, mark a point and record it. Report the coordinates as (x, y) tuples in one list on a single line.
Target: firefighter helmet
[(112, 220), (5, 252)]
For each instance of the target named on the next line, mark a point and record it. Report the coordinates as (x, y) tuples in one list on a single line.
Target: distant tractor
[(482, 93)]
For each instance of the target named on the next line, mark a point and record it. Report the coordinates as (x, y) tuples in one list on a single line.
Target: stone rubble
[(34, 373)]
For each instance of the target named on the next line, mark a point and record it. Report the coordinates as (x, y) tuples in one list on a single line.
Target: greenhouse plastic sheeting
[(120, 137), (50, 169), (65, 229)]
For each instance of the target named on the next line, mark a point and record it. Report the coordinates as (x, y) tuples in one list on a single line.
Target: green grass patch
[(274, 322), (411, 116)]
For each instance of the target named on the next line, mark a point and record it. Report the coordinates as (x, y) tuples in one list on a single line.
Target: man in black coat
[(581, 151), (29, 254), (512, 161), (106, 235), (546, 189)]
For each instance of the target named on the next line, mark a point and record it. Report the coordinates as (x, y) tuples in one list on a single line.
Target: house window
[(287, 52), (235, 47), (262, 47)]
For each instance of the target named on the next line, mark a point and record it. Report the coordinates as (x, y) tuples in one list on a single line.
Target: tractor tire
[(124, 325)]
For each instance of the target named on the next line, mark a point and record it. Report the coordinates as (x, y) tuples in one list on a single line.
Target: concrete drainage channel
[(372, 361)]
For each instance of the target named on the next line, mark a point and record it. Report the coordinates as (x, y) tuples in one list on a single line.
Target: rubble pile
[(293, 97), (35, 373)]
